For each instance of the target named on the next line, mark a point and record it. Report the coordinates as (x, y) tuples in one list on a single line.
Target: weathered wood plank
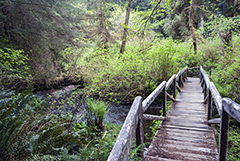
[(205, 100), (178, 75), (153, 117), (122, 146), (223, 140), (171, 98), (139, 132), (179, 89), (232, 108), (164, 101), (209, 104), (174, 88), (185, 134), (170, 81), (216, 97), (150, 158), (202, 129), (214, 121), (147, 102)]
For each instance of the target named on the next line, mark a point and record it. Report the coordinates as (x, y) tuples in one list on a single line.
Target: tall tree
[(124, 39), (192, 29)]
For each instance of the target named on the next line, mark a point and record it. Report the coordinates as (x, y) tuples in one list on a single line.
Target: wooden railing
[(225, 107), (134, 121)]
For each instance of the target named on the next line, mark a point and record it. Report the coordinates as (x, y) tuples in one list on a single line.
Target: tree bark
[(124, 39), (4, 12), (226, 41), (191, 17)]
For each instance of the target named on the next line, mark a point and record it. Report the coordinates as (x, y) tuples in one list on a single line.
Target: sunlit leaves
[(14, 63)]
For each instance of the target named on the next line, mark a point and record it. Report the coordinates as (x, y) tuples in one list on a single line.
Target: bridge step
[(185, 134)]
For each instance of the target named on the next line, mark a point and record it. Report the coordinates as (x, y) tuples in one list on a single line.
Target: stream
[(116, 112)]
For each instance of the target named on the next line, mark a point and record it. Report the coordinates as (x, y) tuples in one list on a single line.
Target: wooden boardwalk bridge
[(185, 132)]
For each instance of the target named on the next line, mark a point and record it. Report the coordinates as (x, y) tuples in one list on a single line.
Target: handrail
[(147, 102), (225, 106), (232, 108), (122, 146), (134, 120)]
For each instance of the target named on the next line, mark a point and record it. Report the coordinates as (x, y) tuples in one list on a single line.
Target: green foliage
[(226, 74), (15, 125), (111, 75), (233, 143), (14, 63), (227, 79), (216, 24), (96, 111), (30, 131), (27, 130)]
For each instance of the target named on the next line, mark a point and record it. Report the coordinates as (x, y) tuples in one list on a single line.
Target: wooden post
[(202, 81), (203, 87), (223, 140), (164, 99), (200, 75), (182, 79), (174, 88), (139, 132), (185, 76), (179, 81), (205, 90), (209, 104)]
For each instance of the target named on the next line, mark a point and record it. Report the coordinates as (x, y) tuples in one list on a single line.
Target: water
[(116, 113)]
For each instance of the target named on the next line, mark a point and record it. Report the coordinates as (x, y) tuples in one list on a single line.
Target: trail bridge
[(185, 132)]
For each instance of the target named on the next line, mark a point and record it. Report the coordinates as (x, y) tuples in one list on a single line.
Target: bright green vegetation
[(30, 131), (122, 77), (47, 40)]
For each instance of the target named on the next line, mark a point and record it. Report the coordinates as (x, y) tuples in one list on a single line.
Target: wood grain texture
[(185, 134)]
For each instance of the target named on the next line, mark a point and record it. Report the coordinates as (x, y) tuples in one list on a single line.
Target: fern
[(28, 130), (14, 139)]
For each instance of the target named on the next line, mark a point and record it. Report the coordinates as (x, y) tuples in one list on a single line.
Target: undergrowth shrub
[(111, 75), (227, 71), (96, 112), (27, 129), (233, 143), (30, 130)]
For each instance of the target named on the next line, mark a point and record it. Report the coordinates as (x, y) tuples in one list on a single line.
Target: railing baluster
[(174, 88), (139, 132), (205, 89), (164, 100), (223, 141), (209, 104)]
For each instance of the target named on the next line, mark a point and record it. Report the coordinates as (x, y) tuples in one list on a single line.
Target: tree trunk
[(191, 18), (226, 41), (124, 39), (4, 12)]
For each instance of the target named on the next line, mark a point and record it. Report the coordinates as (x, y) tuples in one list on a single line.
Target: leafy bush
[(112, 75), (226, 74), (29, 130), (13, 63), (26, 129), (233, 143)]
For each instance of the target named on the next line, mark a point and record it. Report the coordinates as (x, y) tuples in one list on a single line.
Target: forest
[(100, 53)]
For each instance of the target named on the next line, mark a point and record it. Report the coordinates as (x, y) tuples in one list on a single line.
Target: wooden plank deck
[(185, 134)]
